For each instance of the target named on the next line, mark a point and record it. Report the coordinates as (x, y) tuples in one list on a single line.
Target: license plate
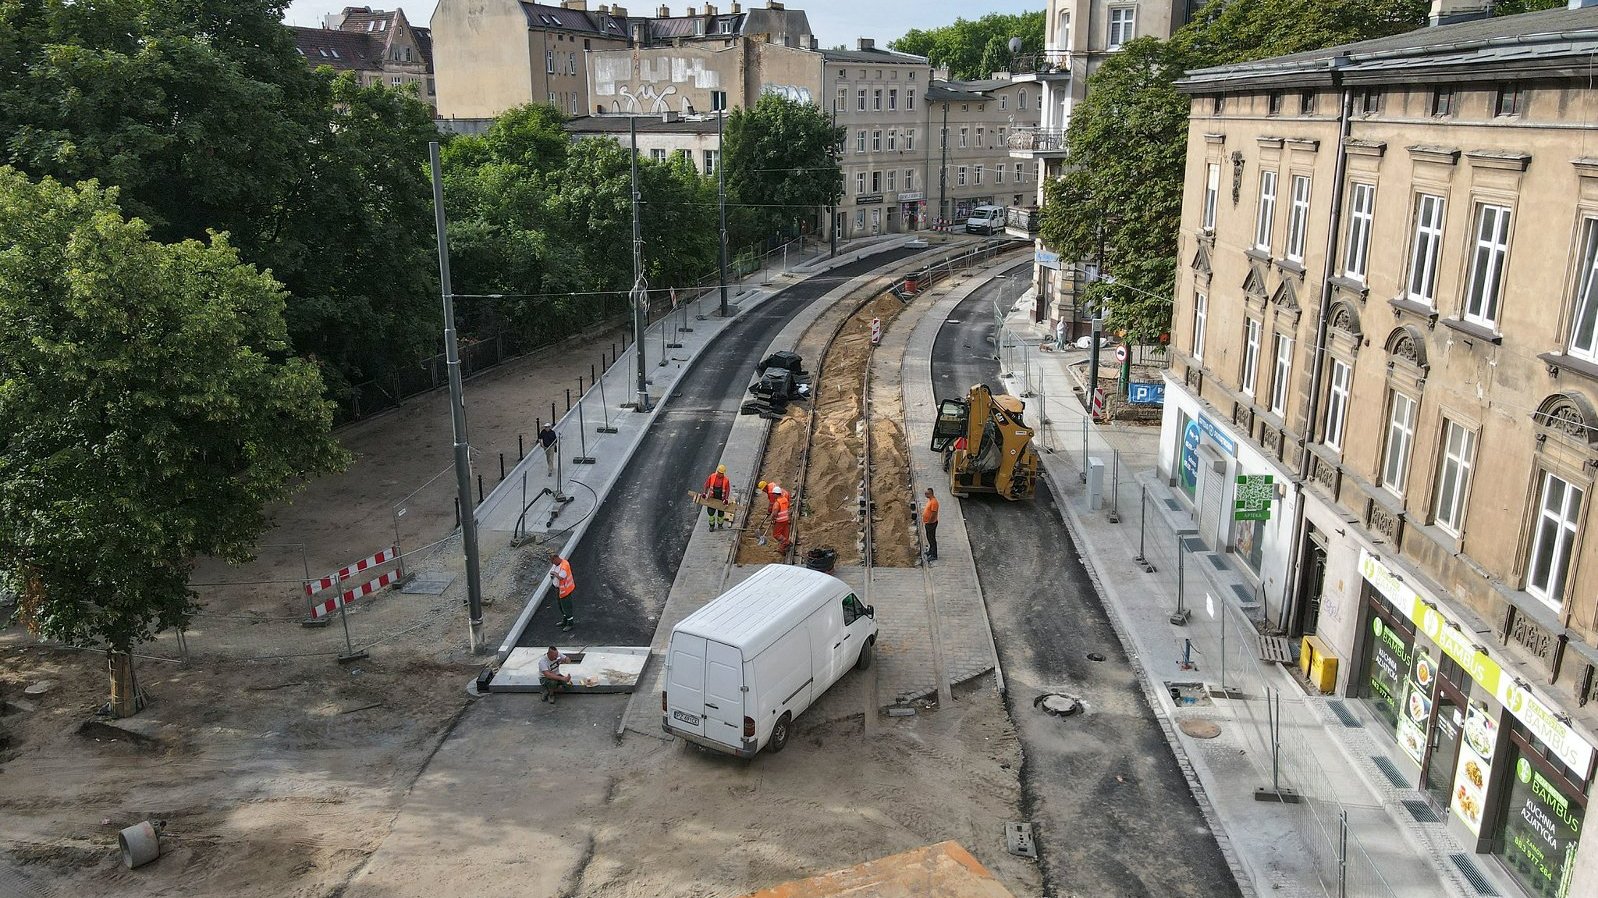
[(690, 719)]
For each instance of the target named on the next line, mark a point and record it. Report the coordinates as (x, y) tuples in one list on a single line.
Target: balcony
[(1033, 143), (1048, 65), (1021, 222)]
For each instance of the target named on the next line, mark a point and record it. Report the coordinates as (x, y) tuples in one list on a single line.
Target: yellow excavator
[(988, 445)]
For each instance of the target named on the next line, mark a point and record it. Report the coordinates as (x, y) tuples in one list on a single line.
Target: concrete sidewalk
[(1327, 755)]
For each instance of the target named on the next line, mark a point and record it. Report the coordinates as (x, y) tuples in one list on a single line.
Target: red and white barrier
[(328, 606), (312, 587)]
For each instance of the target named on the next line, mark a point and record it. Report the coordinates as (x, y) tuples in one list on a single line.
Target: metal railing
[(1044, 62), (1038, 140)]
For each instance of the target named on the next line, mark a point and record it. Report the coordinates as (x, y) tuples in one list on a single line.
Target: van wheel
[(780, 734), (864, 661)]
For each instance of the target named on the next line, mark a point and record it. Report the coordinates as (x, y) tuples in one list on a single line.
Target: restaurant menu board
[(1417, 709), (1469, 800), (1540, 833), (1389, 660)]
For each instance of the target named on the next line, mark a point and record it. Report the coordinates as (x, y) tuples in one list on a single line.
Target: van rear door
[(724, 694), (685, 683)]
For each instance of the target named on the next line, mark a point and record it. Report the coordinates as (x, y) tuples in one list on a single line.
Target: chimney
[(709, 10), (815, 42), (618, 11), (664, 12), (692, 11), (865, 43), (1447, 12), (578, 5), (774, 4), (668, 116), (604, 9), (736, 7)]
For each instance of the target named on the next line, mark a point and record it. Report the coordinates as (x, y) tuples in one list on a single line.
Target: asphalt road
[(626, 562), (1112, 812)]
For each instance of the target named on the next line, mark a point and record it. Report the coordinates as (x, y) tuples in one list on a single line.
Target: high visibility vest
[(781, 515), (717, 485), (562, 574)]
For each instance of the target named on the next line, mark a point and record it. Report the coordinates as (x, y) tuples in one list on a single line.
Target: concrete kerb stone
[(601, 491), (706, 565)]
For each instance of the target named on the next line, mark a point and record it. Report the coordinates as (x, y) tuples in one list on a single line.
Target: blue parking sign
[(1145, 394)]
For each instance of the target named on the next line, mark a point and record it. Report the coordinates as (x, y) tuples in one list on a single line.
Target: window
[(977, 172), (1306, 102), (860, 182), (892, 177), (860, 220), (1368, 102), (910, 139), (909, 179), (711, 158), (1453, 477), (1217, 104), (1361, 214), (397, 81), (1553, 538), (965, 135), (860, 99), (1121, 26), (910, 95), (852, 609), (893, 99), (1251, 357), (549, 61), (571, 63), (860, 142), (1212, 191), (876, 182), (1281, 375), (876, 100), (893, 139), (1265, 215), (1020, 171), (658, 155), (1508, 100), (1004, 102), (1201, 314), (1062, 32), (726, 26), (1298, 218), (1337, 404), (1273, 103), (1443, 101), (1427, 247), (718, 101), (842, 103), (959, 176), (998, 173), (1400, 442), (980, 141), (1020, 102), (876, 141), (1003, 134), (1484, 287), (1584, 320)]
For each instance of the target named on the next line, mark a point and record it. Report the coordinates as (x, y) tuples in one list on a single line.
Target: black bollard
[(520, 454), (568, 399), (552, 414), (479, 489), (502, 467)]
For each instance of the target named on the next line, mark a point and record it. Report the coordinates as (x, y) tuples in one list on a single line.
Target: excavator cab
[(997, 455)]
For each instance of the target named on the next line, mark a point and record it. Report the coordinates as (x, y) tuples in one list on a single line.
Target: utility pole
[(457, 408), (943, 162), (832, 208), (721, 201), (640, 294)]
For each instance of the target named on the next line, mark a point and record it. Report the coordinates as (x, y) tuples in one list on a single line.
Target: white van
[(985, 220), (740, 669)]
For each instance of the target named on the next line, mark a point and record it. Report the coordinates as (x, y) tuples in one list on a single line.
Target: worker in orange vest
[(717, 486), (560, 573), (929, 522), (772, 491), (779, 521)]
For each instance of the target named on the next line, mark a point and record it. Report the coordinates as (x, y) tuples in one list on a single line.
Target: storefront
[(913, 209), (1511, 774)]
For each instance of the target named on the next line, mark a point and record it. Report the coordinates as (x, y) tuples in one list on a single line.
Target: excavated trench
[(829, 492)]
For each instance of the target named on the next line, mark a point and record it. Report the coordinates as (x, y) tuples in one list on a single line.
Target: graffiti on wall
[(788, 91), (656, 98), (643, 85)]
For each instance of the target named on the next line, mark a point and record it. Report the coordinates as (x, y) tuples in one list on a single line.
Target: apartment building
[(659, 136), (1078, 36), (971, 164), (494, 55), (879, 100), (1387, 300), (379, 46)]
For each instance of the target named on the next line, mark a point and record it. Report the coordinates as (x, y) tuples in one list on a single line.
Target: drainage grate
[(1018, 839), (1478, 880), (1345, 715), (1173, 505), (1192, 544), (1390, 770), (1244, 594), (1421, 810), (1217, 561)]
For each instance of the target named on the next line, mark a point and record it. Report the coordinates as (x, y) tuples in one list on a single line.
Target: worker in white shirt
[(549, 676)]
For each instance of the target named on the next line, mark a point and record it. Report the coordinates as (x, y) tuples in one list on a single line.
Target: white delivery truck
[(740, 669)]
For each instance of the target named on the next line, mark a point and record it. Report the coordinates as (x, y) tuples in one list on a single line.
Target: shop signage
[(1145, 394), (1252, 499), (1469, 798), (910, 196), (1214, 432), (1541, 832), (1417, 708), (868, 199), (1562, 741), (1047, 259)]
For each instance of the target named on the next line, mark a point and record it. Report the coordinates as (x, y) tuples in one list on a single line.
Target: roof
[(753, 614), (559, 18), (1555, 41), (343, 50), (965, 90), (647, 124), (873, 57)]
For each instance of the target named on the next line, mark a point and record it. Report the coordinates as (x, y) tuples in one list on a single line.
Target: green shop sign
[(1252, 501)]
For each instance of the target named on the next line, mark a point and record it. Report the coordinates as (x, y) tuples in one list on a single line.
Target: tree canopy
[(973, 50), (150, 411), (1127, 141), (782, 164)]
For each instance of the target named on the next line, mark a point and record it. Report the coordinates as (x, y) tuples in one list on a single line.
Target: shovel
[(765, 526)]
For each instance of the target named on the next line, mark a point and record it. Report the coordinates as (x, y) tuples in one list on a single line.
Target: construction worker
[(929, 522), (717, 486), (550, 679), (779, 520), (560, 573), (772, 491)]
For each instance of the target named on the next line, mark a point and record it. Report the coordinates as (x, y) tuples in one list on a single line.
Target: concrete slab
[(604, 668)]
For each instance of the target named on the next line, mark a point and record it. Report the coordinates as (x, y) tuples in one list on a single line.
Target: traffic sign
[(1120, 353)]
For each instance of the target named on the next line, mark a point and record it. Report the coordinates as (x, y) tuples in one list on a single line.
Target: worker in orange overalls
[(560, 573), (779, 520), (717, 486)]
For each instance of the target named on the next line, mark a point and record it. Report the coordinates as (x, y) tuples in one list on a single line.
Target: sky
[(834, 21)]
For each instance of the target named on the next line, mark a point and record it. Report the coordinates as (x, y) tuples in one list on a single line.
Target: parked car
[(740, 669), (985, 220)]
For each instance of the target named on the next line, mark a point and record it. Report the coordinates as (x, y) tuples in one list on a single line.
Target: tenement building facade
[(1387, 299)]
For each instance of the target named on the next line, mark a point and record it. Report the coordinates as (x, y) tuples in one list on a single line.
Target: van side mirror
[(871, 612)]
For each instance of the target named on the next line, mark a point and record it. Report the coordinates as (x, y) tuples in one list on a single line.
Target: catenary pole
[(457, 406), (721, 201), (640, 288), (943, 165)]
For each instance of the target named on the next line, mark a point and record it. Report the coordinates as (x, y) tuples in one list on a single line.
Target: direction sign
[(1252, 501)]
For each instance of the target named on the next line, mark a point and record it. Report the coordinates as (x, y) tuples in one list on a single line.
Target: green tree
[(782, 165), (149, 412), (1516, 7), (973, 50)]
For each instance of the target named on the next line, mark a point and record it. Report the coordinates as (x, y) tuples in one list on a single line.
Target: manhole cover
[(1200, 729), (1059, 704), (1095, 656), (39, 688)]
